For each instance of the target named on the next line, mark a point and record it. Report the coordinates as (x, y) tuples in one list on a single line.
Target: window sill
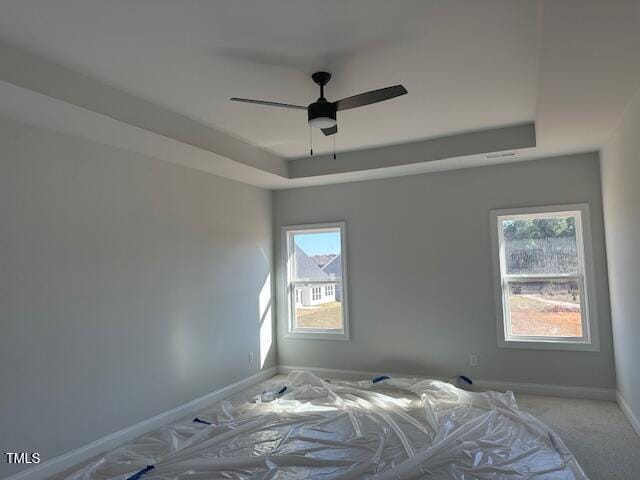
[(550, 345), (316, 335)]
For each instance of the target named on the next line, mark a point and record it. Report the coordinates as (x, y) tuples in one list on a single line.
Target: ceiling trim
[(461, 145), (34, 73), (30, 108)]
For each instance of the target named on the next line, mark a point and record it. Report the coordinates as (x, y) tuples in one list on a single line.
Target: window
[(315, 262), (544, 288)]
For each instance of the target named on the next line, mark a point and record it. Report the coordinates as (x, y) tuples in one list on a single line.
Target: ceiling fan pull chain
[(334, 147), (310, 141)]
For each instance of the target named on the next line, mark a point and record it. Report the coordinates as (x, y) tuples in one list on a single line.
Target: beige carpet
[(597, 432)]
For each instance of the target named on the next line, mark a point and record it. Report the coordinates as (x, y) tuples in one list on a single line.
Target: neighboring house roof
[(306, 269), (334, 267)]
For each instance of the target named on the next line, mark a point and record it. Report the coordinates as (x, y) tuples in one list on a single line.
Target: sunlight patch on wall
[(266, 326), (182, 342)]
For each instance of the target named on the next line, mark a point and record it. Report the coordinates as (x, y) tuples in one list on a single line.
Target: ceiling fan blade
[(367, 98), (268, 104), (330, 131)]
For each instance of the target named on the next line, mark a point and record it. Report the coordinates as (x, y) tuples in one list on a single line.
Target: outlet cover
[(473, 360)]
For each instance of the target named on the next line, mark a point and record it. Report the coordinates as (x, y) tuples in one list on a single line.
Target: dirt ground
[(328, 315), (529, 316), (545, 317)]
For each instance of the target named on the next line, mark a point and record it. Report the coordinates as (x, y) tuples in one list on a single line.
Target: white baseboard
[(591, 393), (624, 406), (75, 457), (524, 388)]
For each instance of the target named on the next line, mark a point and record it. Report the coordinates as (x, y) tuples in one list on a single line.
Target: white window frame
[(585, 276), (288, 286), (316, 294)]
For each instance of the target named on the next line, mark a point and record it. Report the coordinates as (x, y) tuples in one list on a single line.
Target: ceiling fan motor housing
[(322, 114)]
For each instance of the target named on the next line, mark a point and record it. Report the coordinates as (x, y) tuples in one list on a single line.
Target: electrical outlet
[(252, 358), (473, 360)]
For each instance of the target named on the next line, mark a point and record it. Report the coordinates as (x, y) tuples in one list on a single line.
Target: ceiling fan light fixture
[(322, 114), (322, 122)]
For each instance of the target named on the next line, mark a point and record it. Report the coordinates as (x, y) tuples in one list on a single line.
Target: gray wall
[(620, 163), (128, 286), (421, 287)]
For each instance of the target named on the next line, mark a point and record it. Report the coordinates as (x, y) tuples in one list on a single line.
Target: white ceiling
[(467, 64), (570, 66)]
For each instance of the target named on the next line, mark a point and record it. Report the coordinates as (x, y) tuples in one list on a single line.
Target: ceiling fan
[(322, 113)]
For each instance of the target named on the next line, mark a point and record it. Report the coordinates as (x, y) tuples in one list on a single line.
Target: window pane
[(546, 308), (317, 259), (541, 245), (317, 309)]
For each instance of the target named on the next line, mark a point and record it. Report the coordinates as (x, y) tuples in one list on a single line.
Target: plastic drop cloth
[(396, 429)]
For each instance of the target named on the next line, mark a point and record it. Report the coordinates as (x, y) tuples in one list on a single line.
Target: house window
[(314, 260), (298, 295), (316, 294), (544, 278)]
